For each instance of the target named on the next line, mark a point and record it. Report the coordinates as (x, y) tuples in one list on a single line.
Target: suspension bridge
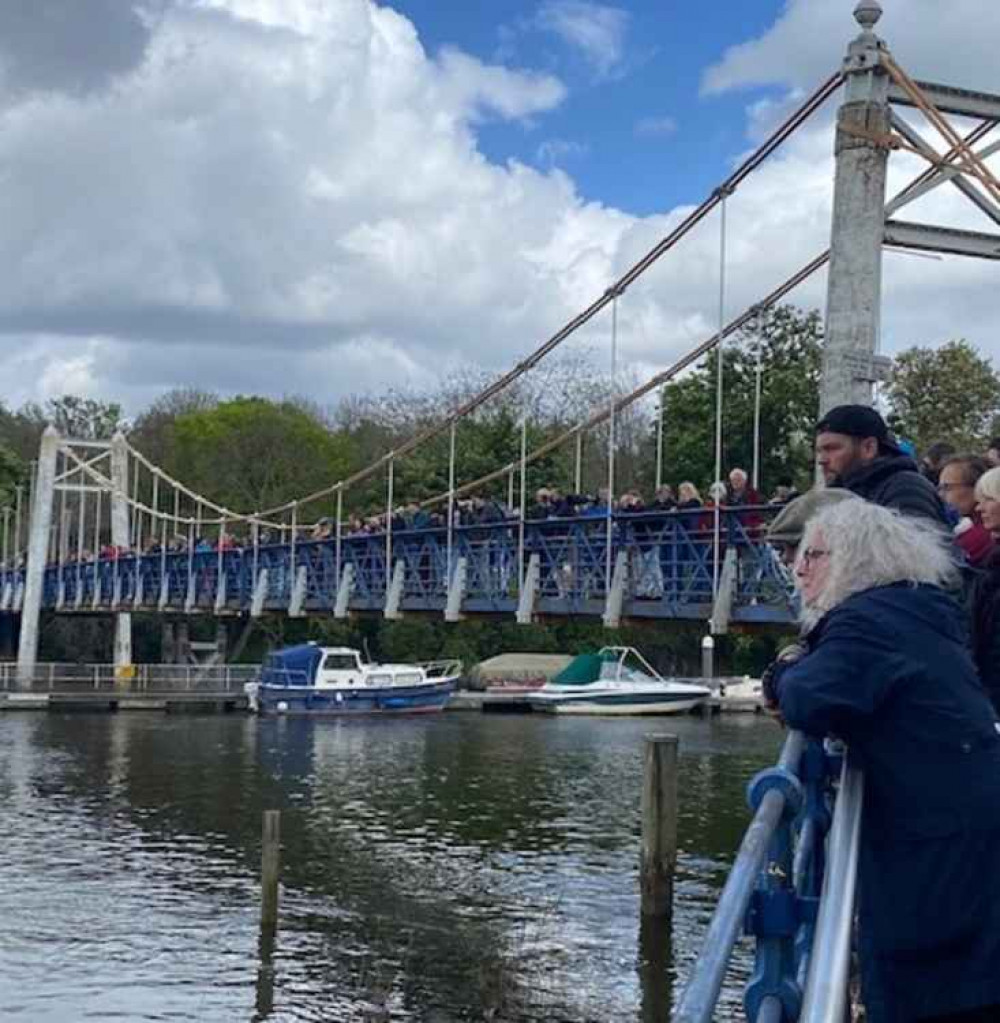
[(102, 529)]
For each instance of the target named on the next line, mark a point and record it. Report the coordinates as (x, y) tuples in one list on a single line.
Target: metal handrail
[(792, 886), (697, 1002), (149, 678), (826, 992)]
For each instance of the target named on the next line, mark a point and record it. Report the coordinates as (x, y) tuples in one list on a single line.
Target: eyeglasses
[(812, 554), (943, 488)]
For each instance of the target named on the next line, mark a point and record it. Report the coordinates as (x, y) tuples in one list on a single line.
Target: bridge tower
[(854, 289), (48, 540), (40, 518), (869, 127)]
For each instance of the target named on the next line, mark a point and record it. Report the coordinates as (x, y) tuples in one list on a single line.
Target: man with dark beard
[(855, 451)]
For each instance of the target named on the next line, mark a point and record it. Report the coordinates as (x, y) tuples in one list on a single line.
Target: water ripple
[(458, 868)]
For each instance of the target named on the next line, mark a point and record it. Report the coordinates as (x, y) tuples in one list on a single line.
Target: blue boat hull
[(307, 700)]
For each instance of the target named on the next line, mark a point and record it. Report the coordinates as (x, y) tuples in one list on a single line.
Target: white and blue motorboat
[(615, 680), (315, 680)]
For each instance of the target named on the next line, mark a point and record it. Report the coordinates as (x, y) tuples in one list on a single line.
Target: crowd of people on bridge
[(548, 503), (552, 503)]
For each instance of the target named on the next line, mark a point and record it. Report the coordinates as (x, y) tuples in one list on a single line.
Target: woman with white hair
[(885, 668), (986, 594)]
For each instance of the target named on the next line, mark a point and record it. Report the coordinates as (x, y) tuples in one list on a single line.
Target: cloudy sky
[(320, 197)]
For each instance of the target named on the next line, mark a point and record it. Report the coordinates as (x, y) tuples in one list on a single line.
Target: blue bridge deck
[(669, 560)]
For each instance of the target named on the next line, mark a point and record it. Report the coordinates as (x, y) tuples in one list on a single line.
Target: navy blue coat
[(888, 671)]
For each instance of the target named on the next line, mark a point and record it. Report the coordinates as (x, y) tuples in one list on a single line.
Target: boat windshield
[(340, 662)]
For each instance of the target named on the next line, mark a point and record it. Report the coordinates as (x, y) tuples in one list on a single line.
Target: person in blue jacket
[(884, 666)]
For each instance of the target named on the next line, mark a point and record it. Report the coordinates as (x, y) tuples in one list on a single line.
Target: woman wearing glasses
[(885, 668)]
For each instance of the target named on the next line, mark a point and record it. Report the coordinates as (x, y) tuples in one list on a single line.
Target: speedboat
[(615, 680), (316, 680)]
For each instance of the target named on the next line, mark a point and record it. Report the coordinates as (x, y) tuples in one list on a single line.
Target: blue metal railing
[(670, 557), (784, 892)]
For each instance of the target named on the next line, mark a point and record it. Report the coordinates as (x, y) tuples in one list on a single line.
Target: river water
[(451, 868)]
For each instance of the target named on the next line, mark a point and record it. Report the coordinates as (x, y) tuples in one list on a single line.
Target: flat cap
[(790, 523)]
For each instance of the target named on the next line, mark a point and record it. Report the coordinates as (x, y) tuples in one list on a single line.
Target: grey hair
[(988, 485), (874, 546)]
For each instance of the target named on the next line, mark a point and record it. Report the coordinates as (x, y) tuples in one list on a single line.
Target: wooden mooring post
[(270, 869), (658, 856)]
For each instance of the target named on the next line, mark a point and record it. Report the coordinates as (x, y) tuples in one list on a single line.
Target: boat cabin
[(335, 667)]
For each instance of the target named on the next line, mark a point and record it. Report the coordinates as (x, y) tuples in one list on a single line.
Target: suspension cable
[(774, 142), (640, 392), (610, 527), (720, 372), (794, 121)]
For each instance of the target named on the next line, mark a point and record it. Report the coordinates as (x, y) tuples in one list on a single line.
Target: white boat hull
[(617, 710)]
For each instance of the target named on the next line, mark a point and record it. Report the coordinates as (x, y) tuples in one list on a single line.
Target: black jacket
[(894, 481), (986, 627)]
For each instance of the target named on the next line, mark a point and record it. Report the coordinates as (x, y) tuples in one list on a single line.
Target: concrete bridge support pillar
[(38, 546), (121, 538), (854, 290)]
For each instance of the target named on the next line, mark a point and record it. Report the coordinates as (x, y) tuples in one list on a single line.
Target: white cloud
[(288, 198), (476, 89), (597, 31), (953, 42)]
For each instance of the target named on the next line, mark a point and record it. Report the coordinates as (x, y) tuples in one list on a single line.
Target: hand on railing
[(787, 656)]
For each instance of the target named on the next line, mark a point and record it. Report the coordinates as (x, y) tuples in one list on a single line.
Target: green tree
[(789, 344), (251, 453), (12, 472), (152, 432), (951, 393)]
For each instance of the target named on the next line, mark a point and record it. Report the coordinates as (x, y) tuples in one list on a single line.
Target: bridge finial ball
[(867, 14)]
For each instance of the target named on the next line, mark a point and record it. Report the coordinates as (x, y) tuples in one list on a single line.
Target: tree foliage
[(80, 418), (951, 393), (251, 453), (152, 432), (12, 473), (789, 345)]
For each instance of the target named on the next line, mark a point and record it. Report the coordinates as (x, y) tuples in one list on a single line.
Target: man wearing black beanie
[(856, 451)]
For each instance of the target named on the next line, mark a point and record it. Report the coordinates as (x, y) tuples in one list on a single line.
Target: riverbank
[(113, 701)]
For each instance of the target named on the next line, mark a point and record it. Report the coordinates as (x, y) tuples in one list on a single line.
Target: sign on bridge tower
[(868, 130)]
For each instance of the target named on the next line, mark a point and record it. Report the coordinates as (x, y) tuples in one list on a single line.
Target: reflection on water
[(454, 868)]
